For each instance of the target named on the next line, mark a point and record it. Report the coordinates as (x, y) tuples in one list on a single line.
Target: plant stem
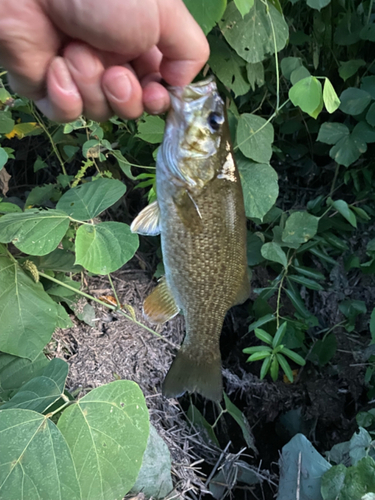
[(334, 180), (114, 291), (56, 151)]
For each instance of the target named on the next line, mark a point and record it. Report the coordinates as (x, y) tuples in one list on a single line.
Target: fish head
[(194, 132)]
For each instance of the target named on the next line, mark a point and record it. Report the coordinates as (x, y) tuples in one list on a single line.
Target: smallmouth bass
[(200, 216)]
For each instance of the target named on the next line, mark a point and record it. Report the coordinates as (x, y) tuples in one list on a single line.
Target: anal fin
[(160, 305), (147, 221)]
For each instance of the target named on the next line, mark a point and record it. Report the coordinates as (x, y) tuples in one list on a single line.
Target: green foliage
[(273, 354)]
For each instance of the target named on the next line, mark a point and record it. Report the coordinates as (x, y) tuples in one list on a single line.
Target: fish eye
[(215, 120)]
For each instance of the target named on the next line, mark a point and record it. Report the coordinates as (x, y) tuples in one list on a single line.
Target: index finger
[(182, 42)]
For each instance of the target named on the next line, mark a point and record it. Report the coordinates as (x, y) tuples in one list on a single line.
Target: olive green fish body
[(202, 223)]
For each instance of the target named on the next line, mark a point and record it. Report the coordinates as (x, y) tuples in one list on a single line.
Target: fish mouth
[(192, 94)]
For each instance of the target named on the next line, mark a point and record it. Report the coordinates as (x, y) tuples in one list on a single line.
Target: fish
[(200, 216)]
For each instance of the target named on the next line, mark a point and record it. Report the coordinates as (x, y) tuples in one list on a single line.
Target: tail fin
[(194, 374)]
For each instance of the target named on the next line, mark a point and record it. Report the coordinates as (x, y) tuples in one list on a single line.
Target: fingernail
[(119, 87), (62, 76)]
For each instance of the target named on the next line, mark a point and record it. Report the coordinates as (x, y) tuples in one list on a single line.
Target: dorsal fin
[(160, 305), (147, 221)]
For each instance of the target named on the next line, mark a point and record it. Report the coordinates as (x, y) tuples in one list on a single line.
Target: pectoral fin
[(160, 305), (147, 221), (188, 210)]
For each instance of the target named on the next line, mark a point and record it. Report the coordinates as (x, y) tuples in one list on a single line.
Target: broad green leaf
[(299, 74), (112, 425), (58, 260), (242, 421), (228, 66), (104, 248), (88, 200), (349, 483), (4, 95), (289, 64), (9, 208), (368, 85), (273, 251), (255, 137), (359, 444), (259, 185), (300, 227), (3, 157), (39, 195), (35, 461), (350, 68), (307, 94), (255, 74), (16, 371), (92, 148), (333, 482), (70, 151), (370, 115), (346, 150), (206, 12), (39, 164), (354, 101), (252, 36), (298, 455), (41, 392), (154, 478), (318, 4), (331, 132), (123, 163), (200, 423), (6, 122), (348, 29), (244, 6), (21, 129), (364, 131), (254, 244), (331, 101), (63, 318), (151, 129), (368, 32), (323, 350), (318, 109), (34, 232), (343, 208), (27, 314)]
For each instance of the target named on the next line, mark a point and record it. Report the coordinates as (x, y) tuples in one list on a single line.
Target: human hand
[(98, 58)]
